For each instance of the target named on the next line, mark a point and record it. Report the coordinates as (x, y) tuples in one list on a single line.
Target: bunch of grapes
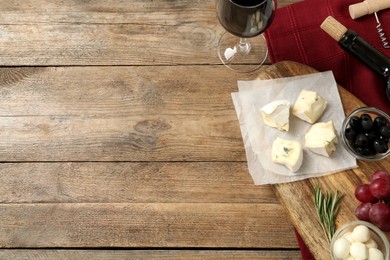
[(375, 200)]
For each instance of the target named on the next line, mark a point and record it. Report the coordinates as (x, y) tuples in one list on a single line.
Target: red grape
[(380, 174), (375, 200), (363, 210), (380, 216), (380, 188), (363, 194)]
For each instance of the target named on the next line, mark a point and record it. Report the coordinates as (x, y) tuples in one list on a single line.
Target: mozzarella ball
[(348, 236), (361, 234), (359, 250), (371, 243), (375, 254), (341, 247)]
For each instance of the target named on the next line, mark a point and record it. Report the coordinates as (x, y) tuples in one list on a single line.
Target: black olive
[(371, 136), (385, 131), (379, 121), (381, 137), (365, 116), (365, 151), (350, 133), (355, 122), (367, 123), (361, 140), (380, 146)]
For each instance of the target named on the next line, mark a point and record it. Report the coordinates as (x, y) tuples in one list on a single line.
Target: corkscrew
[(382, 35), (368, 7)]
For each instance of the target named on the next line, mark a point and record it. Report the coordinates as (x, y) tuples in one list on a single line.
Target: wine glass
[(243, 20)]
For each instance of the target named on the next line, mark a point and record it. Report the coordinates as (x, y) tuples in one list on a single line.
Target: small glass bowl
[(376, 234), (373, 112)]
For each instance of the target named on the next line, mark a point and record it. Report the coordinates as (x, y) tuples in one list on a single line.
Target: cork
[(367, 7), (334, 28)]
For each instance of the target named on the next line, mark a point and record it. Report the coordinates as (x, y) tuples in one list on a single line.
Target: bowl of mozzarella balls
[(366, 134), (359, 240)]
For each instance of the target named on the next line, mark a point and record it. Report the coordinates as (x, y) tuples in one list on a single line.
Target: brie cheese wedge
[(322, 138), (288, 153), (276, 114), (309, 106)]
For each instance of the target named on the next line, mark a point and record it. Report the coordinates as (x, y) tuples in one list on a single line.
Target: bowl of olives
[(366, 133)]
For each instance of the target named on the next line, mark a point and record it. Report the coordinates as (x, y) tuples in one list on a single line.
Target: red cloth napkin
[(305, 252), (295, 35)]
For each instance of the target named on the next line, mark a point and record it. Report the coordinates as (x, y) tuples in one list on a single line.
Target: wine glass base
[(242, 61)]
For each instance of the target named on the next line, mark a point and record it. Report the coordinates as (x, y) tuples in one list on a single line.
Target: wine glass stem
[(243, 46)]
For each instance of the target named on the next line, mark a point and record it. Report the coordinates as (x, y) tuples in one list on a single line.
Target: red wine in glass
[(243, 20)]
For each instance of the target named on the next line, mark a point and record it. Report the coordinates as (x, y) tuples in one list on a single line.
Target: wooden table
[(119, 139)]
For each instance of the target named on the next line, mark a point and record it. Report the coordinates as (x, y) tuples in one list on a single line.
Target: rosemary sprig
[(327, 207)]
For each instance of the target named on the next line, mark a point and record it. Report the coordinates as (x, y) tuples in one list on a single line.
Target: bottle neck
[(371, 57)]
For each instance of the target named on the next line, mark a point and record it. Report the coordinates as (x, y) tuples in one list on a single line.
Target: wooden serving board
[(297, 197)]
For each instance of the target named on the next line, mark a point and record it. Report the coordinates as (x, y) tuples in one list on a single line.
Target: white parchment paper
[(258, 137)]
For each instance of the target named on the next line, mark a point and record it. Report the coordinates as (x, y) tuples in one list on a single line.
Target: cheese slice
[(276, 114), (322, 138), (288, 153), (309, 106)]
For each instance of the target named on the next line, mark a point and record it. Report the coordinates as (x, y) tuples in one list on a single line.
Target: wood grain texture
[(47, 116), (106, 33), (121, 182), (297, 197), (27, 254), (136, 32), (119, 114), (149, 204), (107, 12), (118, 134), (104, 44), (216, 225), (110, 12)]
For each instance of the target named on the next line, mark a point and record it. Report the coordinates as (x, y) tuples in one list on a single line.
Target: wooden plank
[(119, 113), (106, 12), (149, 254), (297, 197), (104, 44), (110, 90), (75, 225), (98, 114), (204, 182), (109, 32), (139, 33), (109, 12), (109, 182), (68, 138)]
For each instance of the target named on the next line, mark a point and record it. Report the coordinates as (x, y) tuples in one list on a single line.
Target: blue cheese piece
[(322, 138), (276, 114), (309, 106), (288, 153)]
